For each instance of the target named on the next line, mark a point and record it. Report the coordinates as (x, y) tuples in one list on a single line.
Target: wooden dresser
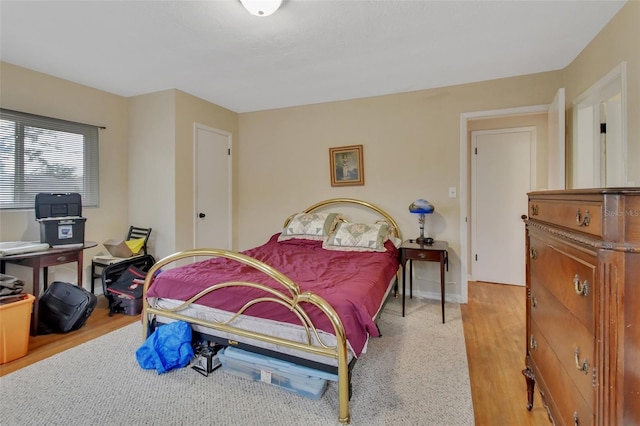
[(583, 305)]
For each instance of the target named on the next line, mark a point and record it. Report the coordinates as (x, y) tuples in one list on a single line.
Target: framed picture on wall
[(346, 166)]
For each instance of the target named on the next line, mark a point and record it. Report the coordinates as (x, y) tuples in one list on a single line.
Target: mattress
[(265, 326), (354, 283)]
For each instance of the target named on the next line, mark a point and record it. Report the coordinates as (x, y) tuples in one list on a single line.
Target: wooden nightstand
[(436, 252)]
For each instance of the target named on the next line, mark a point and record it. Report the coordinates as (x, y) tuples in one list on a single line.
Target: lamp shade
[(261, 7), (421, 206)]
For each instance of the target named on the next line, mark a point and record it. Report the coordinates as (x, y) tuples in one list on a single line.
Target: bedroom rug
[(415, 374)]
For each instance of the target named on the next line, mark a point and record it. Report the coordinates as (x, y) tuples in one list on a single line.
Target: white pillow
[(358, 237), (310, 226)]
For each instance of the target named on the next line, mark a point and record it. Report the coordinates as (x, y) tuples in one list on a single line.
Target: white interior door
[(212, 176), (501, 177)]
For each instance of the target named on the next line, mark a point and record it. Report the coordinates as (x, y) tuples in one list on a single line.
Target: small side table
[(436, 252), (43, 260)]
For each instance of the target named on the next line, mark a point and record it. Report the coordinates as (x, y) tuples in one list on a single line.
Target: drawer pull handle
[(584, 367), (534, 302), (583, 221), (582, 289), (534, 210), (532, 343), (533, 254), (61, 258), (576, 421), (422, 255)]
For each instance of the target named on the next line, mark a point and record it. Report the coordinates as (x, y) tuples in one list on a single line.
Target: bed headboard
[(333, 202)]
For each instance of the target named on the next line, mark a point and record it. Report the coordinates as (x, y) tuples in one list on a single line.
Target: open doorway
[(599, 145), (541, 167)]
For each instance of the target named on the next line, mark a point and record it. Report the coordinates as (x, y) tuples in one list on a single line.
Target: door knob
[(201, 215)]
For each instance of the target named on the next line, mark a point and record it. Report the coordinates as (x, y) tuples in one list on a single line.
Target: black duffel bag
[(64, 307)]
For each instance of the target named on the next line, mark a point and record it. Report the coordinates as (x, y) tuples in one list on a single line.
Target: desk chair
[(98, 263)]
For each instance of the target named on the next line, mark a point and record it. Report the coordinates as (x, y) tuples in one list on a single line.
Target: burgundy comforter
[(354, 283)]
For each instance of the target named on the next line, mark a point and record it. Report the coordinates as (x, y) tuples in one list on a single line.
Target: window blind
[(42, 154)]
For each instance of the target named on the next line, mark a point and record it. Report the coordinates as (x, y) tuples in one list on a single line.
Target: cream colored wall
[(410, 143), (152, 150), (37, 93), (411, 150), (161, 142), (190, 110), (617, 42), (146, 155)]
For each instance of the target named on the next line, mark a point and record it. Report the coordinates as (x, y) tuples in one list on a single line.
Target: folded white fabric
[(8, 248)]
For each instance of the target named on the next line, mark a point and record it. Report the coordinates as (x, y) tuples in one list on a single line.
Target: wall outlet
[(452, 192)]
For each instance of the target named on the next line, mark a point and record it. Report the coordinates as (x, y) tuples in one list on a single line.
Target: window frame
[(22, 198)]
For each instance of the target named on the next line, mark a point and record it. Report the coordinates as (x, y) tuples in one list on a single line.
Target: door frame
[(228, 135), (465, 172), (589, 101), (533, 152)]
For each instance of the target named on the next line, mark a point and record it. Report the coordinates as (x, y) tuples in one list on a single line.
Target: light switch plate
[(452, 192)]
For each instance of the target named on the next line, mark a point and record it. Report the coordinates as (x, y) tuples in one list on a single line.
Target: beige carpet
[(415, 374)]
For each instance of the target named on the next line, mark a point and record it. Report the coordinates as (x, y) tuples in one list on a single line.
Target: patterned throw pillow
[(310, 226), (358, 237)]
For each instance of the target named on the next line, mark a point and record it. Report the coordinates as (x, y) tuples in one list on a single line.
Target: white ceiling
[(310, 51)]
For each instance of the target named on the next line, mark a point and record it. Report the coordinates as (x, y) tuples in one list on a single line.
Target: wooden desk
[(436, 252), (44, 259)]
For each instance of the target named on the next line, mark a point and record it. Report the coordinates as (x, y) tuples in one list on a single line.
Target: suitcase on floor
[(64, 307), (122, 284)]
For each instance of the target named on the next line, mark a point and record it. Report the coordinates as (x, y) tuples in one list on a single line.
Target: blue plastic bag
[(168, 347)]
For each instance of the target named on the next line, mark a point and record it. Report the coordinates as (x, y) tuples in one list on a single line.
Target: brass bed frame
[(289, 296)]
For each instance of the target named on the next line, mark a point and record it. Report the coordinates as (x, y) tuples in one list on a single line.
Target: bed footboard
[(289, 295)]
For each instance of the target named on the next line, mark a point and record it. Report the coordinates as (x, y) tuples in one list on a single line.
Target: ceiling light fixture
[(261, 7)]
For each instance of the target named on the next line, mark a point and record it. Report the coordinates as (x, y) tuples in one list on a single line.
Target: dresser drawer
[(559, 390), (59, 258), (568, 274), (582, 216), (577, 239), (572, 343), (415, 254)]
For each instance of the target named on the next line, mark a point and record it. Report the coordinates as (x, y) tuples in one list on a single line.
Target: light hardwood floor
[(494, 333), (494, 329)]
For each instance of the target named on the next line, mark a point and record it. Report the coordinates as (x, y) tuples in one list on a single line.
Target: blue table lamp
[(421, 208)]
